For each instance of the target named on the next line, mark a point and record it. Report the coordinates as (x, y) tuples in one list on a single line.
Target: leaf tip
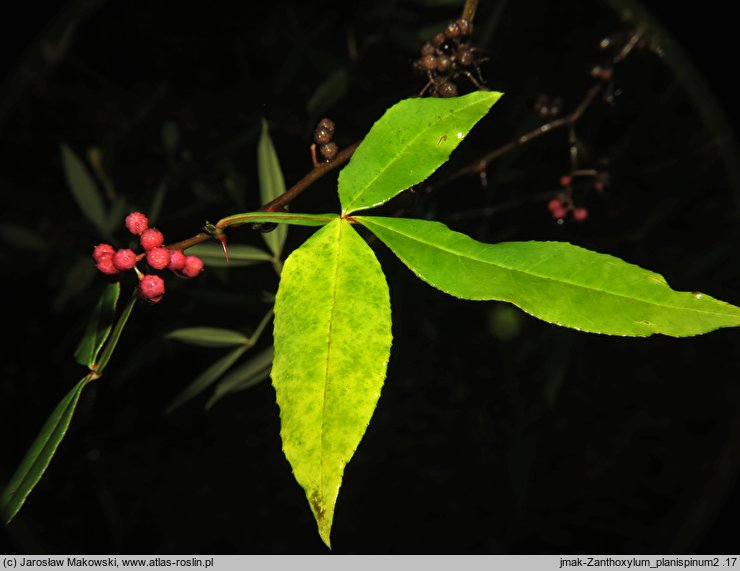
[(324, 517)]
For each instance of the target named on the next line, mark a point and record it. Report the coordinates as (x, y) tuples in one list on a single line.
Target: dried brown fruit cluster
[(448, 56)]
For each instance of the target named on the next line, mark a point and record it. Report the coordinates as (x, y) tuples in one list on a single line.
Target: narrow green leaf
[(208, 336), (239, 255), (98, 327), (554, 281), (207, 378), (332, 343), (158, 200), (84, 189), (110, 345), (278, 218), (329, 92), (272, 185), (409, 142), (39, 455), (21, 237), (254, 371)]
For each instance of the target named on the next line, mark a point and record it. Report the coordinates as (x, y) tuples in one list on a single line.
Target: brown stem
[(318, 171)]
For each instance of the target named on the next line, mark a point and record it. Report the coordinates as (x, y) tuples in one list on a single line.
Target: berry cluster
[(560, 207), (151, 287), (446, 57), (323, 135)]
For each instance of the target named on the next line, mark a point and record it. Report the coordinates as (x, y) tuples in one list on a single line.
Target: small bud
[(151, 288), (103, 250), (447, 89), (427, 49), (193, 266), (326, 124), (158, 258), (136, 223), (429, 62), (177, 260), (465, 57), (439, 39), (151, 238), (465, 25), (105, 265), (329, 150), (453, 30), (565, 180), (321, 136), (444, 63), (580, 214), (124, 259)]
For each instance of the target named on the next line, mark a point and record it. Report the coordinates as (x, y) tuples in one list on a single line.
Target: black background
[(435, 470)]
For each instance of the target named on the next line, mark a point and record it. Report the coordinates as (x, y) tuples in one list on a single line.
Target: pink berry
[(559, 213), (177, 260), (193, 266), (136, 222), (554, 204), (565, 180), (158, 258), (124, 259), (103, 250), (598, 185), (580, 214), (105, 265), (151, 238), (151, 288)]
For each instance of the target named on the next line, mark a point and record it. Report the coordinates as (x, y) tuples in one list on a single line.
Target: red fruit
[(105, 265), (580, 214), (158, 258), (598, 185), (177, 260), (565, 180), (151, 288), (151, 238), (554, 204), (559, 213), (103, 250), (193, 266), (136, 223), (124, 259)]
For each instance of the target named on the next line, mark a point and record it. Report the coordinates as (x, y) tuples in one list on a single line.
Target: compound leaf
[(332, 339), (406, 145), (554, 281)]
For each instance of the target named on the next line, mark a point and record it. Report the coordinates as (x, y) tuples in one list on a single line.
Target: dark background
[(487, 438)]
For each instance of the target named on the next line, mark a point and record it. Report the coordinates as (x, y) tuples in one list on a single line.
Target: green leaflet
[(84, 189), (98, 327), (272, 185), (406, 145), (554, 281), (37, 459), (332, 343)]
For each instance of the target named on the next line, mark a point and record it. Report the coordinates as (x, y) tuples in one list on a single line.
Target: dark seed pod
[(427, 49), (439, 39), (444, 63), (321, 136), (465, 57), (429, 62), (329, 150), (326, 124), (466, 26), (447, 89), (453, 30)]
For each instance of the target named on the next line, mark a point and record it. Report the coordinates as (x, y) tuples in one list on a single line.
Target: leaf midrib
[(548, 278), (400, 155)]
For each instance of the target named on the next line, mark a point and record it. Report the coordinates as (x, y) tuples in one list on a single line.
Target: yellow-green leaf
[(332, 343)]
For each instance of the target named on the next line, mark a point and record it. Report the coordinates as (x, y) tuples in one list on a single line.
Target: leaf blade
[(406, 145), (326, 376), (84, 189), (208, 336), (553, 281), (244, 376), (98, 327), (40, 453), (239, 255), (272, 185)]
